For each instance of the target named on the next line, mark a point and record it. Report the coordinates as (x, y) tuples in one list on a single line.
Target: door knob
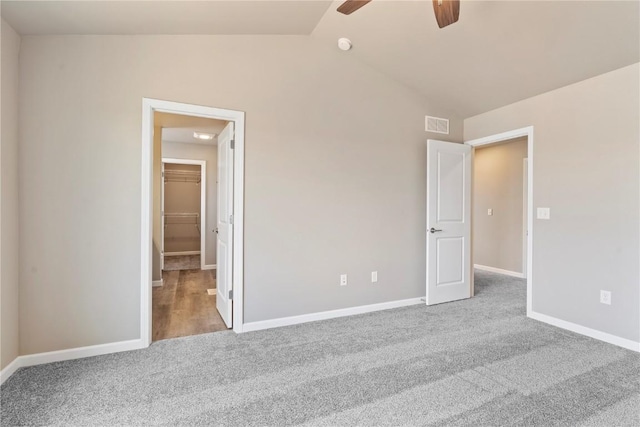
[(433, 230)]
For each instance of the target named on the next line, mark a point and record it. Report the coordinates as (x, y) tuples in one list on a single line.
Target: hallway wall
[(498, 185)]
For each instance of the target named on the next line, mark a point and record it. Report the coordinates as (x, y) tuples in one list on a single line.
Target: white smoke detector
[(344, 44)]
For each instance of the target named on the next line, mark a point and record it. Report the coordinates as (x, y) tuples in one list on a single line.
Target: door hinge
[(231, 219), (231, 294), (232, 144)]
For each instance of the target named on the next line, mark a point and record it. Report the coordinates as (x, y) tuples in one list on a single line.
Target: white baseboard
[(324, 315), (157, 283), (499, 270), (182, 253), (210, 267), (9, 370), (69, 354), (583, 330)]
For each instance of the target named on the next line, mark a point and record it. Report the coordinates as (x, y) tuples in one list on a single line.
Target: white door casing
[(162, 220), (149, 107), (448, 222), (525, 213), (203, 200), (224, 270)]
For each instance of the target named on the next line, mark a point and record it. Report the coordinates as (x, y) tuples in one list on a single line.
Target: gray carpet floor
[(478, 362)]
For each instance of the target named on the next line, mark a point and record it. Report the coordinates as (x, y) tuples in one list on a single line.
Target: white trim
[(81, 352), (162, 218), (149, 106), (583, 330), (157, 283), (332, 314), (10, 369), (146, 220), (525, 214), (70, 354), (500, 137), (499, 270), (183, 253), (203, 203), (493, 139), (210, 267)]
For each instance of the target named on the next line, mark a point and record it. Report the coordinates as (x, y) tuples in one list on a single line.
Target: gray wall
[(586, 169), (209, 153), (9, 291), (156, 248), (498, 184), (334, 173)]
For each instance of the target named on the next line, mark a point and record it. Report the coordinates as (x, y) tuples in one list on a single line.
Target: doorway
[(527, 253), (183, 214), (449, 220), (184, 302), (500, 207), (228, 289)]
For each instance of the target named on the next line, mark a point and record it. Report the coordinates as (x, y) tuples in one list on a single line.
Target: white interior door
[(448, 221), (224, 270)]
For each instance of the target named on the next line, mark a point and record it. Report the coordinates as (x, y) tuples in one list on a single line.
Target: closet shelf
[(183, 215), (171, 175)]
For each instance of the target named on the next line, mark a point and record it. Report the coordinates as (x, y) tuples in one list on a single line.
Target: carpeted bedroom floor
[(478, 362)]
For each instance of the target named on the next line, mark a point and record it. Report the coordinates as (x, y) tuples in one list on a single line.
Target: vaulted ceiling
[(163, 17), (499, 52)]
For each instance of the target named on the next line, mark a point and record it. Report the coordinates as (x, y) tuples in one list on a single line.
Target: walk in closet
[(182, 198)]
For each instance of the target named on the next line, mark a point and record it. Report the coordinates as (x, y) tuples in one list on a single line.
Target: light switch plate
[(489, 212), (544, 213)]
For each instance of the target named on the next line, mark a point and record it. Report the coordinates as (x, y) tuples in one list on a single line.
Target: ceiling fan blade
[(447, 11), (351, 6)]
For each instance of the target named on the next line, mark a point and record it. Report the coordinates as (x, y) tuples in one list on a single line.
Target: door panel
[(449, 270), (448, 222), (224, 276)]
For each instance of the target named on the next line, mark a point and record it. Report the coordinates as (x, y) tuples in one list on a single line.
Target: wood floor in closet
[(182, 306)]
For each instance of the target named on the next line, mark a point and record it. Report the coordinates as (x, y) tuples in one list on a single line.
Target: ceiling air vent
[(437, 125)]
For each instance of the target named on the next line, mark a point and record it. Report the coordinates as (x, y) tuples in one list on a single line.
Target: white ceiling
[(185, 135), (499, 52), (163, 17), (180, 128)]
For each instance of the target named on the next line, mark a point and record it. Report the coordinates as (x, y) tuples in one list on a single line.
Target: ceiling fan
[(447, 11)]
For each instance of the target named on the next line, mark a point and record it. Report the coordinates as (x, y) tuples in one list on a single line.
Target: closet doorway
[(186, 210), (173, 130), (184, 214)]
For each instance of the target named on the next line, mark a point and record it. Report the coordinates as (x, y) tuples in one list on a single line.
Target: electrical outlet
[(374, 276), (489, 212), (605, 297), (343, 280)]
